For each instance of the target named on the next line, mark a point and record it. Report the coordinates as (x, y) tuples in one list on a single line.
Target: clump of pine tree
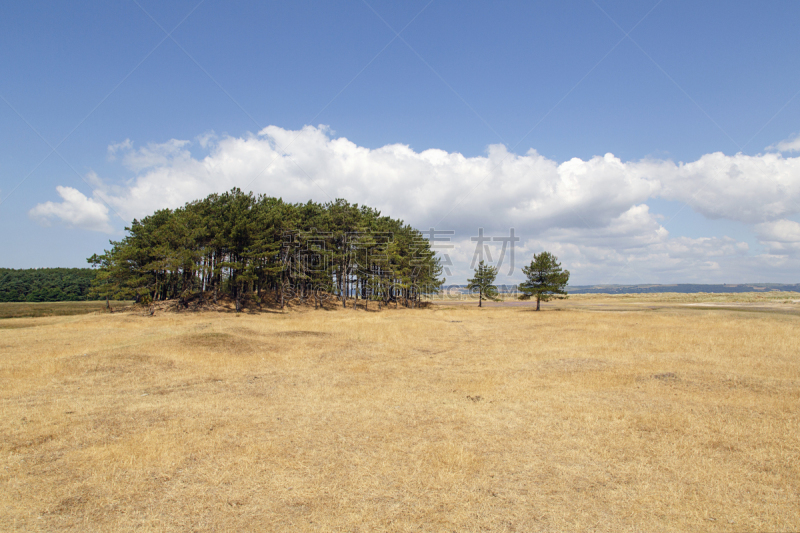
[(248, 246)]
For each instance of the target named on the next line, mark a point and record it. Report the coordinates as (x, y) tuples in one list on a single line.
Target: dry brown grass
[(30, 310), (450, 419)]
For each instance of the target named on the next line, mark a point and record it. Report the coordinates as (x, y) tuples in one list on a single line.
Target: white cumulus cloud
[(787, 145), (425, 187), (745, 188), (75, 210), (593, 211), (780, 236)]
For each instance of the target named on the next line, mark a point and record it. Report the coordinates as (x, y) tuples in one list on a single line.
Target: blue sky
[(650, 82)]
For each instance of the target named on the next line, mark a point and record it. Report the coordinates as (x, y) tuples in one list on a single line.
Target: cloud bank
[(592, 213)]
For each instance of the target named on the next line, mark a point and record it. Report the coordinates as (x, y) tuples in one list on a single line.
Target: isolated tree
[(483, 282), (546, 280)]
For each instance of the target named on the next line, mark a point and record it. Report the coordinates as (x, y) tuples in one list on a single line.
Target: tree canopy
[(483, 283), (250, 246), (545, 279)]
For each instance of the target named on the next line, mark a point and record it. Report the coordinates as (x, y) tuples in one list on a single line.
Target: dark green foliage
[(483, 282), (46, 285), (546, 280), (250, 246)]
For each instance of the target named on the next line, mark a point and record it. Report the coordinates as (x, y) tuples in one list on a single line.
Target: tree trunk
[(537, 301), (343, 287), (480, 298)]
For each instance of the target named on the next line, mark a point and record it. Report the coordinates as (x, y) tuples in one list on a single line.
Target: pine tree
[(483, 282), (546, 280)]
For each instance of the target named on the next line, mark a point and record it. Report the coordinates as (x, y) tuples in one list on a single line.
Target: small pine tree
[(546, 280), (483, 282)]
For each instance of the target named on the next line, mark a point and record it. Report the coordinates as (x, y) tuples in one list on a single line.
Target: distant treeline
[(46, 285), (248, 246)]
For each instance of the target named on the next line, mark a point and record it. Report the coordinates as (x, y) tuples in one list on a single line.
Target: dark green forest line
[(46, 285), (259, 248)]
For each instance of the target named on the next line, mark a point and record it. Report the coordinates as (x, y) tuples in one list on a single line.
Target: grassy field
[(29, 310), (645, 415)]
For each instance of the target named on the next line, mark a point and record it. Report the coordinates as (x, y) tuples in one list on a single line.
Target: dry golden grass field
[(598, 413)]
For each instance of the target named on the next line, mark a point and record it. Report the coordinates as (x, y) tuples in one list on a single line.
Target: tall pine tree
[(546, 280), (483, 282)]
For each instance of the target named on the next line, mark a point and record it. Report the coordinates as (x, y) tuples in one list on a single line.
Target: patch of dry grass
[(462, 419)]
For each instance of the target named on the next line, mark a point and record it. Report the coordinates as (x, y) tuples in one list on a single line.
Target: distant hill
[(45, 284), (681, 287)]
